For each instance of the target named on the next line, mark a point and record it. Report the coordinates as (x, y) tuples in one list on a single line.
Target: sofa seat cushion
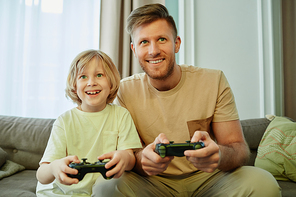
[(288, 188), (20, 184), (277, 149)]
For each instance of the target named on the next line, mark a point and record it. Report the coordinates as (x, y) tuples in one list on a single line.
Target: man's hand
[(205, 159), (230, 152), (152, 163)]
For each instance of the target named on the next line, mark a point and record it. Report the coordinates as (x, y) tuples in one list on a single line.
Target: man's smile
[(155, 61)]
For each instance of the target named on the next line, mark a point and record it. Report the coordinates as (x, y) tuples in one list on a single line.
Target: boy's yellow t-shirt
[(89, 135)]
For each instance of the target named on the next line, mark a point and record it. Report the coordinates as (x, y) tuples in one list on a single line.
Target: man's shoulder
[(134, 82), (134, 78), (199, 70)]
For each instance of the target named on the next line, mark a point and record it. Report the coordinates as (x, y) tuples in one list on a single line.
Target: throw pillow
[(277, 149), (3, 156), (10, 168)]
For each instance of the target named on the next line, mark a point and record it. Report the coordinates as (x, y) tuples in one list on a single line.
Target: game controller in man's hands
[(85, 167), (177, 149)]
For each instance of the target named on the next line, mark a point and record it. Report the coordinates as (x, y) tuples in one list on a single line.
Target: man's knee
[(129, 184), (258, 181)]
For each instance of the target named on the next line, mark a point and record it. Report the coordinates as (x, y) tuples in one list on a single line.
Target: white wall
[(242, 38)]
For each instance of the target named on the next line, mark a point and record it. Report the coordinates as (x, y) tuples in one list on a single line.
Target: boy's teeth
[(156, 61), (97, 92)]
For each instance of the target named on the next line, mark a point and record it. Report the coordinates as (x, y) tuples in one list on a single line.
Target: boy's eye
[(99, 75)]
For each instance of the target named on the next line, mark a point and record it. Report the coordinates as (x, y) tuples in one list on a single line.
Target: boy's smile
[(92, 92), (93, 87)]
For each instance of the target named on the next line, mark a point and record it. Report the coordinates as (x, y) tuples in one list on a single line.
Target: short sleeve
[(128, 137), (225, 106)]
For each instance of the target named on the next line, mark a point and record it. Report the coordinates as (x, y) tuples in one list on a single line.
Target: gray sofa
[(23, 141)]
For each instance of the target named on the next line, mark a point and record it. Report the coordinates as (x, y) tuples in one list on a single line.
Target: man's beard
[(160, 76)]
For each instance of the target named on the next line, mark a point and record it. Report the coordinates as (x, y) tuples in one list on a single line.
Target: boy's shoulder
[(117, 108), (67, 114)]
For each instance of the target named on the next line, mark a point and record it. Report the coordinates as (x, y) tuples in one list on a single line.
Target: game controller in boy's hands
[(172, 149), (86, 167)]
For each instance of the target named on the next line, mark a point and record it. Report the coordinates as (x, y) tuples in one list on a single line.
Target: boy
[(94, 128)]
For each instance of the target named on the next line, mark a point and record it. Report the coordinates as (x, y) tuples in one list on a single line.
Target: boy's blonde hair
[(80, 62)]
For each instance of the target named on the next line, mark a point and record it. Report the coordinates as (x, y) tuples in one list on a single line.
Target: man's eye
[(144, 42), (161, 39), (99, 75)]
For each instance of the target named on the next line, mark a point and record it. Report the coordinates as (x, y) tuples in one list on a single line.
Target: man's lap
[(245, 181)]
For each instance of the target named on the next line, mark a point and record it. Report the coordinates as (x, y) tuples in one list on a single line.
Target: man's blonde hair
[(80, 62), (147, 14)]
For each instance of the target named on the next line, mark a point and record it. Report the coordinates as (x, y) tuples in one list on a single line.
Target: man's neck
[(168, 83)]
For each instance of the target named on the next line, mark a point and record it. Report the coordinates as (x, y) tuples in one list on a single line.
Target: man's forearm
[(233, 156), (138, 165)]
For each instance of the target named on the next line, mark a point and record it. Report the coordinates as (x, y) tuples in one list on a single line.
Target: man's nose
[(154, 49)]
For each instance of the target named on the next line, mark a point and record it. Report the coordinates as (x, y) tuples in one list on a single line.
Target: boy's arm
[(44, 174), (58, 169)]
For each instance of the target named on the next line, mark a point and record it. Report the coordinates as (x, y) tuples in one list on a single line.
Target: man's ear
[(177, 44), (133, 49)]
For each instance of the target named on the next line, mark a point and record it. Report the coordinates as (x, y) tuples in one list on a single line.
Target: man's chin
[(157, 76)]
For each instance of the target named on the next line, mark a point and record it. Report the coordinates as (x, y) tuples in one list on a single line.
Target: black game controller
[(86, 167), (172, 149)]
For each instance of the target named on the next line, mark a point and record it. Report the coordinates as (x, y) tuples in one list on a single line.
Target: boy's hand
[(60, 168), (123, 160)]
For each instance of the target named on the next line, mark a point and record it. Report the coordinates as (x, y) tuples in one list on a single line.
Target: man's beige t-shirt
[(202, 96)]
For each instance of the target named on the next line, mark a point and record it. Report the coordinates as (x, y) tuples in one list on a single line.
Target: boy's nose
[(92, 82)]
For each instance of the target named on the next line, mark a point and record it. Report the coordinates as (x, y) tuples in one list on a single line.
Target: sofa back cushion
[(24, 139), (253, 130)]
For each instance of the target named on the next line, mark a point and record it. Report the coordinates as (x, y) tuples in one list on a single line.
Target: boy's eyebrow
[(80, 73)]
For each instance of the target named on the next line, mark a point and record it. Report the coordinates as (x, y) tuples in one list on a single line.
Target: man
[(171, 102)]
